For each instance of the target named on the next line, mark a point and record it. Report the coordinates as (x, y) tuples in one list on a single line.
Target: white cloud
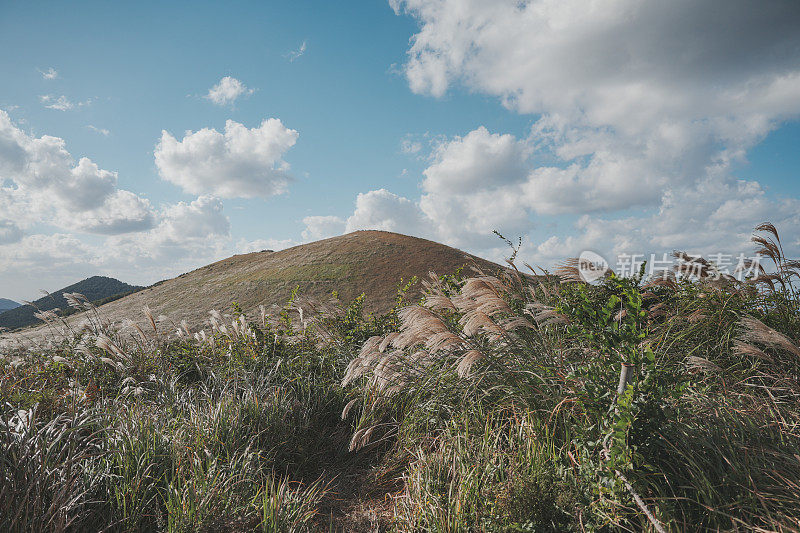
[(227, 91), (44, 262), (609, 57), (479, 160), (48, 186), (52, 254), (41, 184), (410, 146), (483, 182), (49, 74), (633, 98), (9, 232), (295, 54), (383, 210), (239, 163), (122, 212), (322, 227), (243, 246), (101, 131), (186, 235), (636, 109), (62, 103), (713, 216), (197, 220), (472, 186)]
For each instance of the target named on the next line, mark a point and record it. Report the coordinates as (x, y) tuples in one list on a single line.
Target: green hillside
[(6, 304), (96, 289)]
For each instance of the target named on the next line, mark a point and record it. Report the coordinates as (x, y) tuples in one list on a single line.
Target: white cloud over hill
[(240, 162), (47, 200), (40, 182)]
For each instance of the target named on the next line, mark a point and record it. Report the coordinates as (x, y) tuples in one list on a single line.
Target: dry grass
[(492, 405), (706, 435), (372, 262)]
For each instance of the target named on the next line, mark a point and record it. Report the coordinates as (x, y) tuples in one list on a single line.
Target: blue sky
[(445, 119)]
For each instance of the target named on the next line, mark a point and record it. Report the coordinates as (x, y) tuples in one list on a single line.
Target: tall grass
[(137, 429), (704, 437), (494, 404)]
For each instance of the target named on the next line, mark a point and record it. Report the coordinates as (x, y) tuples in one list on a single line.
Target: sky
[(143, 140)]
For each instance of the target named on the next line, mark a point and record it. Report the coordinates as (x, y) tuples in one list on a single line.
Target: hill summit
[(369, 262)]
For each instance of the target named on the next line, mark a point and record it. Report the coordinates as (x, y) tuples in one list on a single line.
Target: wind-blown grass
[(490, 405)]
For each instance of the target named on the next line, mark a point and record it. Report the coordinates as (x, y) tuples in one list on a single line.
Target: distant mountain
[(6, 304), (98, 289)]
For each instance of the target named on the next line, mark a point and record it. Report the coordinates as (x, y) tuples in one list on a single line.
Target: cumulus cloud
[(472, 186), (227, 91), (376, 210), (636, 105), (240, 162), (561, 56), (322, 227), (182, 236), (386, 211), (713, 216), (185, 235), (634, 96), (122, 212), (41, 184), (199, 219), (46, 185), (479, 160)]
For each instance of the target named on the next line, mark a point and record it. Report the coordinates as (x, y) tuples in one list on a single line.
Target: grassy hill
[(96, 289), (370, 262), (6, 304)]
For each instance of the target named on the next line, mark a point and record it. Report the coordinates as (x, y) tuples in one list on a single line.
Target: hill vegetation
[(492, 402), (368, 262), (98, 289), (6, 304)]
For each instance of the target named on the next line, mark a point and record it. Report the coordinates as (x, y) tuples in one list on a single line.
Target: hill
[(98, 289), (6, 304), (369, 262)]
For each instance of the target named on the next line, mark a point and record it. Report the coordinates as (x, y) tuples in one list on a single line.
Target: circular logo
[(591, 266)]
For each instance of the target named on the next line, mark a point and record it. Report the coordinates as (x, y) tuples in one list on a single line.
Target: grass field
[(491, 403)]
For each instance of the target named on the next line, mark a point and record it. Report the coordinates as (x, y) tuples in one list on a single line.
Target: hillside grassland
[(369, 262), (492, 401)]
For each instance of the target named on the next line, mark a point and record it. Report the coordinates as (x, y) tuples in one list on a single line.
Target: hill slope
[(6, 304), (372, 262), (96, 288)]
